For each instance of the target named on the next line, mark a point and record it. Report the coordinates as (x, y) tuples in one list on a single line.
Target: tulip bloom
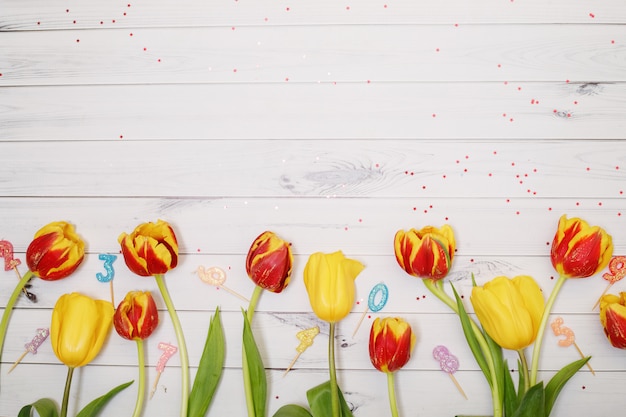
[(613, 318), (136, 316), (135, 319), (150, 249), (580, 250), (391, 343), (329, 281), (269, 262), (425, 253), (55, 252), (80, 326), (509, 310)]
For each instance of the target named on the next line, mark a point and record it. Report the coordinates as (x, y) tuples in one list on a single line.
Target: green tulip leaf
[(292, 410), (498, 363), (472, 341), (45, 407), (511, 399), (521, 382), (253, 367), (320, 402), (93, 408), (533, 403), (553, 388), (209, 370)]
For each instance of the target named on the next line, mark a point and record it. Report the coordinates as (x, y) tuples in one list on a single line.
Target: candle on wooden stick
[(6, 251), (617, 271), (449, 364), (110, 272), (168, 352), (32, 346), (306, 339), (217, 276), (570, 338), (373, 304)]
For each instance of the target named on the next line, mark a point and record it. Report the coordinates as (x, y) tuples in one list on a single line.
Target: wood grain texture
[(408, 169), (302, 54), (57, 14), (334, 125), (315, 111)]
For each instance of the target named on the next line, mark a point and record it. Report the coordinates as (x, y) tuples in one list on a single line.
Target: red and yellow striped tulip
[(425, 253), (136, 316), (580, 250), (613, 318), (391, 343), (269, 262), (150, 249), (55, 252)]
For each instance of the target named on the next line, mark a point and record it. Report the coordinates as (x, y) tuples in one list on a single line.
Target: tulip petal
[(79, 328), (579, 250), (329, 280), (615, 328), (501, 308)]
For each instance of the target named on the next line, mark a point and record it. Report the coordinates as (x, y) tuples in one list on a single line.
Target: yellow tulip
[(329, 281), (80, 325), (509, 310)]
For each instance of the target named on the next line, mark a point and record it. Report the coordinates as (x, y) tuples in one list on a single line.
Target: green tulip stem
[(253, 302), (436, 287), (182, 347), (542, 328), (334, 387), (524, 368), (66, 393), (245, 368), (141, 389), (4, 324), (391, 388)]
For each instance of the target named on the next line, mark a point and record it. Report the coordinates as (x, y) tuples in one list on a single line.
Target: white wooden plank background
[(333, 124)]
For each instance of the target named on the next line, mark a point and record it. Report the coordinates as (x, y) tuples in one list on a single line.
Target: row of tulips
[(512, 314)]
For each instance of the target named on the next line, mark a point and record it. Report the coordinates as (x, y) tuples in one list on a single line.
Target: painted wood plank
[(427, 393), (359, 226), (301, 54), (275, 334), (407, 294), (315, 168), (57, 14), (321, 111)]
